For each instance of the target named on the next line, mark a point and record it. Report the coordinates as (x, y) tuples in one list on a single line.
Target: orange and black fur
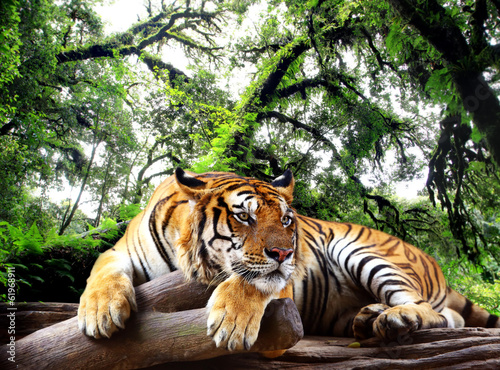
[(242, 235)]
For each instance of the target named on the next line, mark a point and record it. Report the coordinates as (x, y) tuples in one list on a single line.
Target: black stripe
[(313, 224), (436, 275), (348, 244), (492, 320), (130, 253), (467, 310), (249, 197), (235, 186), (202, 251), (360, 267), (222, 203), (326, 289), (243, 192), (427, 279), (146, 274), (314, 298), (353, 267), (389, 294), (139, 243), (398, 283), (157, 239), (305, 298), (373, 272), (348, 258), (310, 236), (434, 306), (349, 227), (203, 220), (217, 212)]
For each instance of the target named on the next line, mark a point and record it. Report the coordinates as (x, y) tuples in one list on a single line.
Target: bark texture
[(151, 337)]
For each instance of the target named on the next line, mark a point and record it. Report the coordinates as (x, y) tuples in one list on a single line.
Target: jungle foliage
[(355, 96)]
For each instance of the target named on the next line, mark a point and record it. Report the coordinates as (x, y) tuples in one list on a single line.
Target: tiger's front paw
[(400, 321), (235, 311), (105, 305)]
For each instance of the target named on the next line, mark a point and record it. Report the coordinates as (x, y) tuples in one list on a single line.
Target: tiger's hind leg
[(396, 322)]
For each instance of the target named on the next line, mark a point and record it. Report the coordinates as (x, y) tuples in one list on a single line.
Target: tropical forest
[(387, 112)]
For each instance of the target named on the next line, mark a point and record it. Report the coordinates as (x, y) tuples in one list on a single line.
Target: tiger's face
[(239, 226)]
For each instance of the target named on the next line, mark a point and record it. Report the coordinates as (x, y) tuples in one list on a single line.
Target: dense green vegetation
[(354, 96)]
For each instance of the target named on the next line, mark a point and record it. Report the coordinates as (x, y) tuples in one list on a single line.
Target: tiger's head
[(241, 226)]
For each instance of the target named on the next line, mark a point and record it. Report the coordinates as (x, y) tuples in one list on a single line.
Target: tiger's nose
[(278, 254)]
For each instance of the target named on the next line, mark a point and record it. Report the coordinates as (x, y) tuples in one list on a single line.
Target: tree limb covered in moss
[(267, 90), (156, 31)]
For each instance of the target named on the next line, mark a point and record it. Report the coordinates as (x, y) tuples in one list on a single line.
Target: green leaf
[(476, 136)]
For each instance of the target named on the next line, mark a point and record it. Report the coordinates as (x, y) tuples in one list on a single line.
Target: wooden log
[(172, 293), (150, 338), (466, 348), (168, 293), (34, 316), (153, 337), (156, 334)]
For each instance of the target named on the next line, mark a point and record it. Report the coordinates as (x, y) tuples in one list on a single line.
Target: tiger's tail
[(472, 314)]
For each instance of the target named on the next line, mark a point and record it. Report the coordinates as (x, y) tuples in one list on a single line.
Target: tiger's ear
[(284, 184), (190, 185)]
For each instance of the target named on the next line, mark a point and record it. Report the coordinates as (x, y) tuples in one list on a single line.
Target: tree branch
[(120, 46), (268, 87), (318, 136), (305, 84), (439, 28), (375, 51)]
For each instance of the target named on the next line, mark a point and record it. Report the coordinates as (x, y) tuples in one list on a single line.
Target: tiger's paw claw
[(232, 325), (105, 307), (398, 322)]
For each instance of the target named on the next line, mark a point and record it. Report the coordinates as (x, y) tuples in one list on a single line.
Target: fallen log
[(32, 316), (168, 293), (466, 348), (151, 336)]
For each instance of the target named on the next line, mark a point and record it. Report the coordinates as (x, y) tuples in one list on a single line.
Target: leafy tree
[(353, 96), (357, 79)]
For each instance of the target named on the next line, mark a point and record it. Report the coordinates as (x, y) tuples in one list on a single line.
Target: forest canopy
[(355, 97)]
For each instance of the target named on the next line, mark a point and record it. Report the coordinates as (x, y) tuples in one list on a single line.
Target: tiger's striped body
[(242, 234), (355, 266)]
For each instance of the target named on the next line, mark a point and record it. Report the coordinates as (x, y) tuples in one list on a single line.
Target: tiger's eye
[(286, 221), (243, 216)]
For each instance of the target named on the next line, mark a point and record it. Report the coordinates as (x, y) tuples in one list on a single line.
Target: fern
[(32, 255)]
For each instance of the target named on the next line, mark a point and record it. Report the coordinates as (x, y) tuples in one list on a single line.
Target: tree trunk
[(66, 221), (477, 96), (481, 101), (104, 191)]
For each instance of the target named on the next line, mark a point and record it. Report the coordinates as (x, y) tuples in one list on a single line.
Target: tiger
[(243, 236)]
